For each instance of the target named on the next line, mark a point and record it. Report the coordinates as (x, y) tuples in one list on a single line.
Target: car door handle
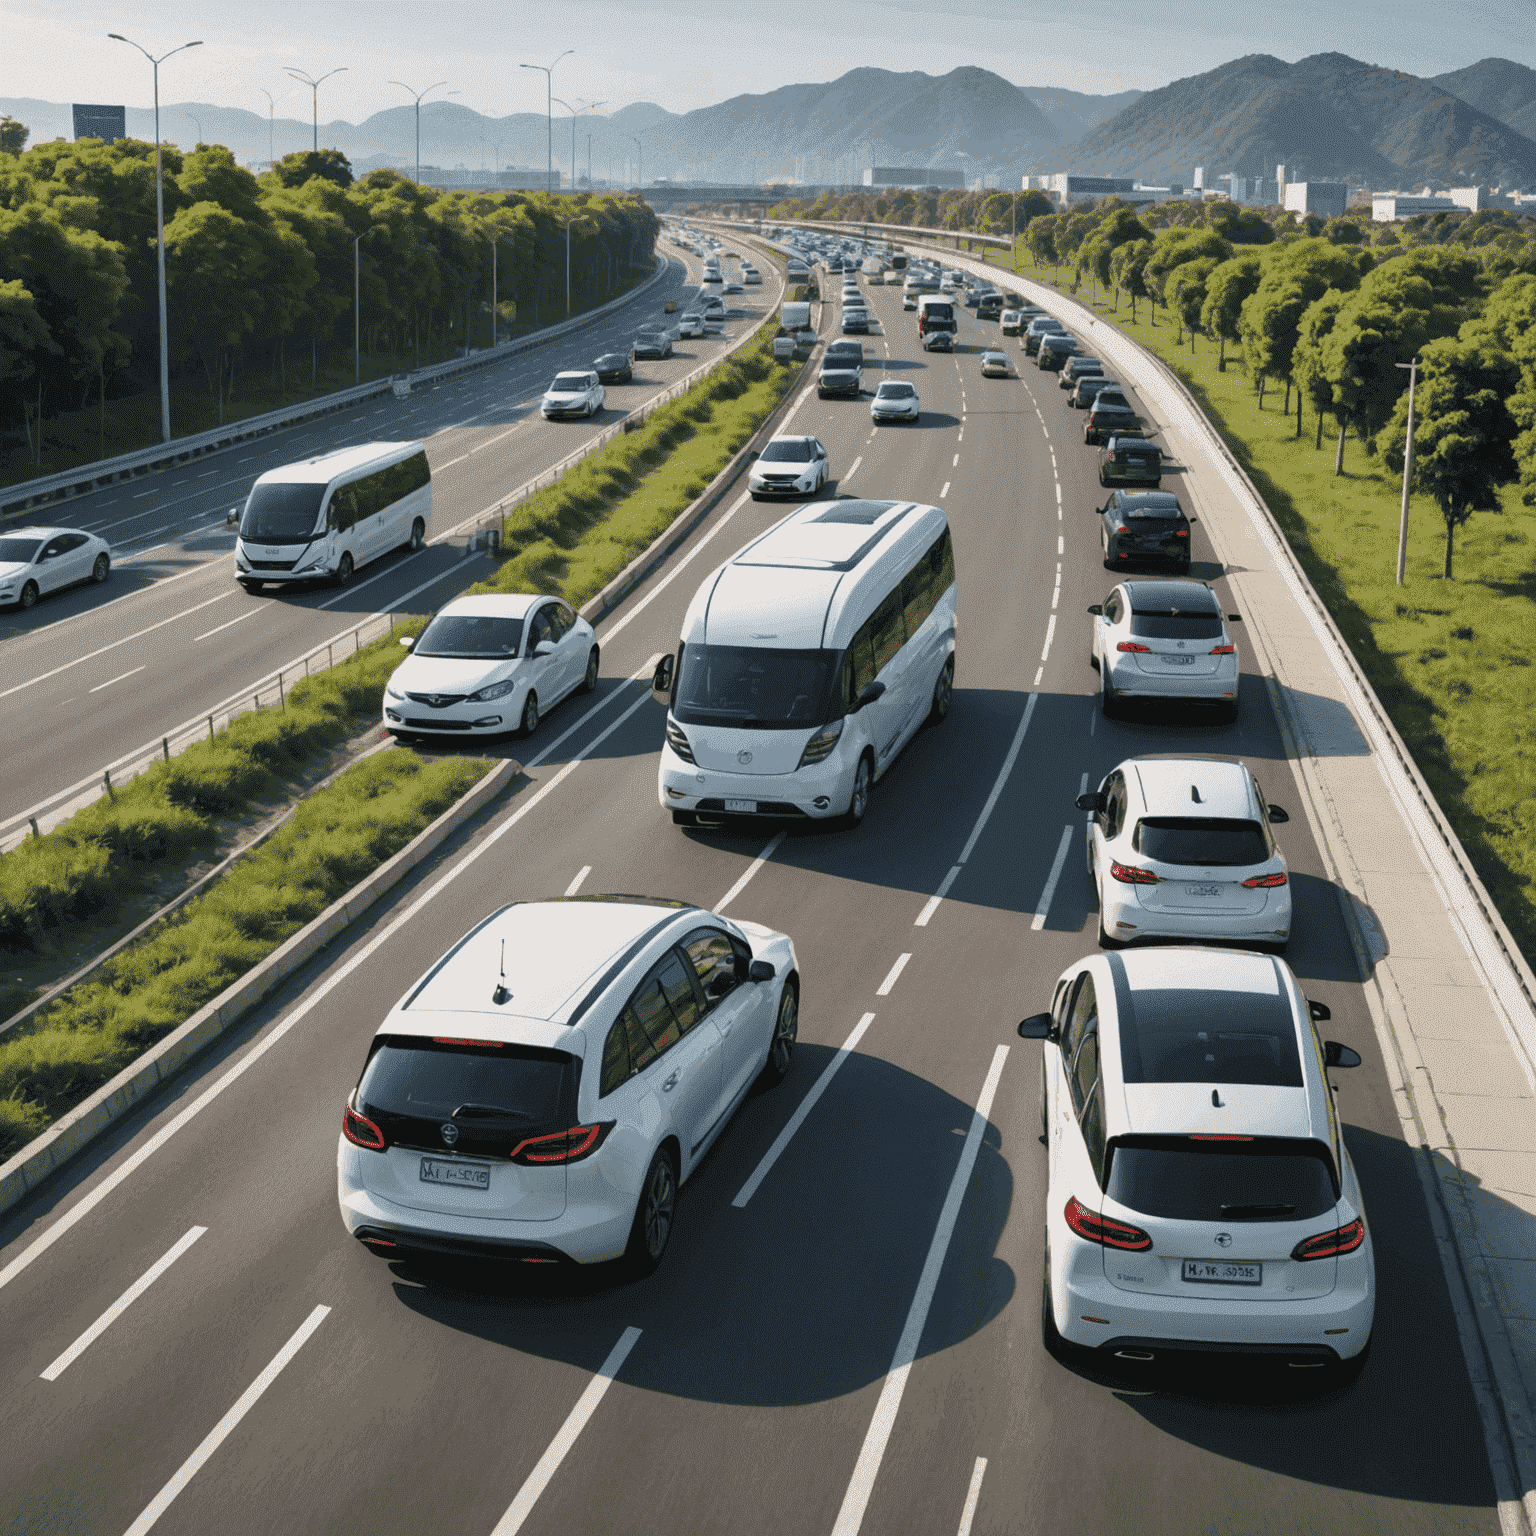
[(670, 1083)]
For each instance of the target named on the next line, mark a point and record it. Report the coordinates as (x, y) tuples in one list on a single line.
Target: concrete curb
[(83, 1124)]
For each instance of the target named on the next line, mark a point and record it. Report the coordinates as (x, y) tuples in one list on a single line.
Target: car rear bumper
[(1127, 919), (1219, 687)]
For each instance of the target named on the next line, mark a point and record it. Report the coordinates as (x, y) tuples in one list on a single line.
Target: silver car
[(895, 400)]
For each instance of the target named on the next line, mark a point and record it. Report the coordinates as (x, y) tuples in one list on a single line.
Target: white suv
[(1200, 1196), (1164, 639), (789, 466), (1181, 848), (539, 1095)]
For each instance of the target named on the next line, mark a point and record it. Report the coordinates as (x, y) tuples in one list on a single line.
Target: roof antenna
[(1194, 794), (500, 995), (1216, 1100)]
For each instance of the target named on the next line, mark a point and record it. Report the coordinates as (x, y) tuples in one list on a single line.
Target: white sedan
[(1181, 848), (489, 664), (995, 365), (572, 394), (38, 560), (895, 400)]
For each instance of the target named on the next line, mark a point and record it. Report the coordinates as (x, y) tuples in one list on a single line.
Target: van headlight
[(678, 740), (494, 691), (392, 692), (819, 747)]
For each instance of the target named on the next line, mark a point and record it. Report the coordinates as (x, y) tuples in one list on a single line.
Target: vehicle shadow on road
[(832, 1251)]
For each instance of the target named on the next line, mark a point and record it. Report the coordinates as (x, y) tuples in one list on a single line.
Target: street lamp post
[(639, 163), (418, 95), (197, 123), (314, 86), (495, 299), (271, 127), (1402, 526), (576, 112), (165, 356), (549, 113)]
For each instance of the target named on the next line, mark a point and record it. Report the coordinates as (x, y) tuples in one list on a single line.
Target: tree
[(23, 331), (1307, 367), (1186, 292), (1174, 247), (1292, 275), (1238, 225), (1128, 270), (1041, 240), (303, 165), (13, 135), (1119, 227), (1463, 435), (1230, 283)]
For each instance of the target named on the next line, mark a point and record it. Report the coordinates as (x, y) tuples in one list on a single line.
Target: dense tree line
[(259, 269), (1325, 309)]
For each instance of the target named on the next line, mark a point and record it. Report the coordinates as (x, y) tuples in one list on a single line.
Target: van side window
[(886, 634), (861, 662), (343, 511), (941, 561), (659, 1030), (417, 473)]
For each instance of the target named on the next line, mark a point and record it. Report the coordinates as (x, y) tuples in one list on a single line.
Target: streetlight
[(272, 102), (418, 95), (357, 303), (495, 299), (639, 162), (576, 112), (549, 112), (1402, 527), (197, 123), (165, 356), (314, 86)]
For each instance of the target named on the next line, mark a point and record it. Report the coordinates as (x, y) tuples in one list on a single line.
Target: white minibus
[(321, 519), (807, 661)]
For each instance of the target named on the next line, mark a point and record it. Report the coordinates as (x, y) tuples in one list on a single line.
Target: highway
[(855, 1345), (98, 672)]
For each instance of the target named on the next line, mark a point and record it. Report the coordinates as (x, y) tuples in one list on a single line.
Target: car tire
[(655, 1216), (858, 799), (343, 575), (1050, 1335), (28, 597), (1109, 705), (101, 569), (529, 722), (418, 535), (589, 677), (943, 693), (786, 1031)]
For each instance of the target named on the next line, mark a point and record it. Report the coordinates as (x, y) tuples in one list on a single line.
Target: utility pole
[(1402, 527), (271, 130), (314, 86), (549, 114), (418, 95)]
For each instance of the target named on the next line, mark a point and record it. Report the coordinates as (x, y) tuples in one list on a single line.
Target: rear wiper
[(1237, 1212), (486, 1112)]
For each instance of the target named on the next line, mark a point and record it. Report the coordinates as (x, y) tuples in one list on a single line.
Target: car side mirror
[(1097, 608), (1320, 1012), (1336, 1055), (1038, 1026), (544, 648), (1094, 800), (1278, 813), (868, 694), (407, 641), (661, 679), (1232, 618), (232, 517), (761, 970), (1192, 518)]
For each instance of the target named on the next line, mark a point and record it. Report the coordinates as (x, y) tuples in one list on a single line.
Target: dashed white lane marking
[(851, 1516), (549, 1463), (1039, 673), (1043, 911), (752, 869), (575, 885), (117, 679), (945, 491), (221, 1431), (938, 896), (955, 462), (1061, 545), (1056, 595), (884, 989), (796, 1120), (972, 1497), (853, 467), (250, 614), (1058, 493), (1050, 634), (120, 1306)]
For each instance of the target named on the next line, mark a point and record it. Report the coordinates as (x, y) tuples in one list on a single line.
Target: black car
[(1109, 415), (1077, 368), (1130, 461), (938, 340), (989, 306), (613, 368), (652, 344), (1053, 352), (853, 351), (840, 375), (1087, 389), (1145, 528), (855, 322)]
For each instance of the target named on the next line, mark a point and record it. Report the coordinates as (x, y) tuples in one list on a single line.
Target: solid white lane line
[(932, 905), (945, 491), (862, 1484), (119, 678), (250, 614), (82, 1208), (575, 885), (796, 1120), (1043, 911), (884, 989), (752, 869), (1044, 429), (549, 1463), (120, 1306), (1002, 778), (1050, 634), (972, 1497), (347, 593), (220, 1432)]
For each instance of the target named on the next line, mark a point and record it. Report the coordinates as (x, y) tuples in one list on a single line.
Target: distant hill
[(1499, 87), (1328, 117), (1073, 114)]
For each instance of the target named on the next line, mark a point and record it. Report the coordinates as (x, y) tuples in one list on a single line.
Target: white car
[(1165, 639), (690, 324), (895, 400), (995, 365), (789, 466), (34, 561), (1200, 1198), (540, 1094), (489, 664), (572, 394), (1181, 848)]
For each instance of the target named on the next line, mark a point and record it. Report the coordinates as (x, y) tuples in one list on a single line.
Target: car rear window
[(1265, 1178), (1147, 506), (1190, 1035), (1209, 840), (1171, 624)]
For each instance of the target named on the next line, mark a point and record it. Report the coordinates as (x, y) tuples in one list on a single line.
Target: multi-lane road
[(849, 1339)]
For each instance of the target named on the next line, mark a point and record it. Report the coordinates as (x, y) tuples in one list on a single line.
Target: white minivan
[(807, 661), (321, 519)]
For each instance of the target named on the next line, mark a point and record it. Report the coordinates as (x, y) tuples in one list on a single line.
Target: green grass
[(1450, 660), (332, 841)]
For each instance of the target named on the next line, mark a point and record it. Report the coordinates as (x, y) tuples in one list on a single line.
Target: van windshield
[(755, 688), (282, 513)]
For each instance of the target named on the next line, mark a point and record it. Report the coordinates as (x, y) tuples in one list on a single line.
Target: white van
[(325, 517), (808, 660)]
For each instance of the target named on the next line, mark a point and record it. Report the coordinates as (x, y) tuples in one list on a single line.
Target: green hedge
[(333, 839)]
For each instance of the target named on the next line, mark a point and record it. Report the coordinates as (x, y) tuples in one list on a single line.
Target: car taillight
[(1128, 874), (1104, 1229), (1132, 645), (1181, 533), (562, 1146), (361, 1131), (1328, 1245), (1265, 882), (1223, 650), (678, 741)]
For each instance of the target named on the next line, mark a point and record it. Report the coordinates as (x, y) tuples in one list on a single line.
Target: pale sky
[(687, 54)]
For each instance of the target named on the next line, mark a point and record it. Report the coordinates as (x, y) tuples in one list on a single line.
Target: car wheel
[(1108, 703), (530, 720), (943, 693), (589, 682), (28, 595), (654, 1216), (786, 1030), (100, 570), (418, 534), (858, 800), (343, 574), (1055, 1346)]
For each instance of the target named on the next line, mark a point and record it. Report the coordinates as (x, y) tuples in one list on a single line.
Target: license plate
[(436, 1170), (1203, 890), (1205, 1272), (1177, 661), (746, 807)]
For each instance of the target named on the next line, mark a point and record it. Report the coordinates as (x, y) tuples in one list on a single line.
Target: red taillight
[(1104, 1229), (1223, 650), (562, 1146), (360, 1130), (1128, 874), (1328, 1245), (1132, 645), (1266, 882), (1181, 533)]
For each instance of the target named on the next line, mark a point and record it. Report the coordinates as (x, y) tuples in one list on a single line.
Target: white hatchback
[(572, 394), (1164, 639), (488, 664), (789, 466), (540, 1094), (34, 561), (1181, 848), (1200, 1197), (895, 400)]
